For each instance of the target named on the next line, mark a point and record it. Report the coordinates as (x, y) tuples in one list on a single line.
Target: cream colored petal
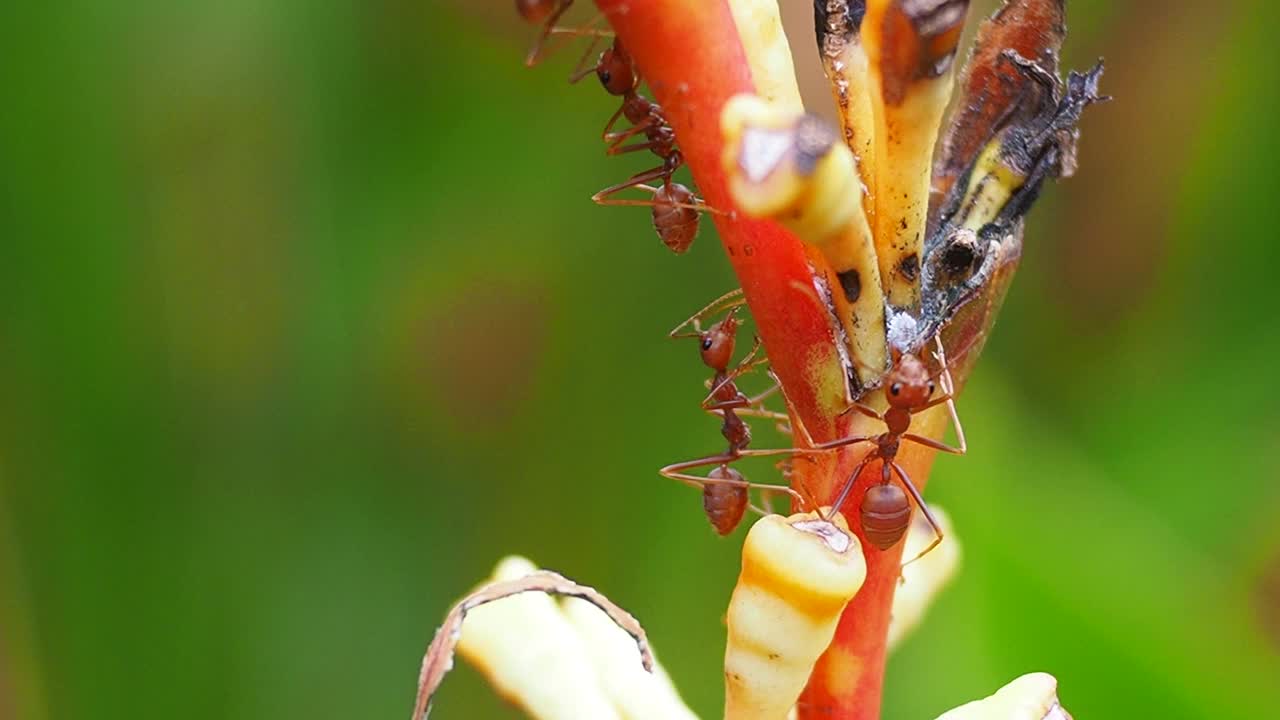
[(527, 649), (759, 24), (1030, 697), (798, 573), (636, 694)]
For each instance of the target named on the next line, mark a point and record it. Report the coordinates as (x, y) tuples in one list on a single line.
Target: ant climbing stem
[(720, 394), (725, 490), (885, 512), (675, 208)]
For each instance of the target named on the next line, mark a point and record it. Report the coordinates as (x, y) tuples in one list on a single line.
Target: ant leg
[(755, 405), (864, 409), (755, 412), (933, 522), (848, 484), (949, 387), (701, 481), (614, 139), (729, 301), (633, 181), (535, 53), (851, 440), (941, 447), (780, 451), (602, 198), (773, 390), (582, 68), (613, 120), (619, 149), (676, 468), (698, 205)]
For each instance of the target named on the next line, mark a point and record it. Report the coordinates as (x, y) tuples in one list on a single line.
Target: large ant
[(908, 388), (724, 489)]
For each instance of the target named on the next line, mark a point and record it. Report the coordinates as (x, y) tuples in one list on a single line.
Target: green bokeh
[(306, 319)]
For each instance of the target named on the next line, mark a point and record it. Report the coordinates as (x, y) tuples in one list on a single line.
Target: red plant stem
[(692, 59)]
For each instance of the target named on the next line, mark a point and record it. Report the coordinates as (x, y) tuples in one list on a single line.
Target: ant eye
[(706, 342), (931, 387), (895, 388), (605, 77)]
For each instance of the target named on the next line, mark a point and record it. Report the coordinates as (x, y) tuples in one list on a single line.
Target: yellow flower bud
[(798, 573)]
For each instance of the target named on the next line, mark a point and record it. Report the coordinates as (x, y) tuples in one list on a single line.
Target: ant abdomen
[(885, 514), (674, 217), (724, 503)]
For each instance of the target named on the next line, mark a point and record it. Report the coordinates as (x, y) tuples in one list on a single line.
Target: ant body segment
[(724, 489)]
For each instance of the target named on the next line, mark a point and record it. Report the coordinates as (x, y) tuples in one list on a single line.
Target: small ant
[(724, 489), (885, 511), (675, 207)]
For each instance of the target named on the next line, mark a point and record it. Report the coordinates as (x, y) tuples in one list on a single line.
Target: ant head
[(908, 384), (717, 343), (534, 11), (615, 70)]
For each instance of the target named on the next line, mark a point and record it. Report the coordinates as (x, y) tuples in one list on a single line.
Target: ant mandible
[(885, 512), (724, 489)]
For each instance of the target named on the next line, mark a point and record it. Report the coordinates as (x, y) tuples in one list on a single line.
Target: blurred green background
[(306, 319)]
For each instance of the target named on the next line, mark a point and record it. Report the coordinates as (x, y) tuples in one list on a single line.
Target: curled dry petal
[(525, 646), (991, 89)]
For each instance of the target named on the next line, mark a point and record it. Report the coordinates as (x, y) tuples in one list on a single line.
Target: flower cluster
[(870, 267)]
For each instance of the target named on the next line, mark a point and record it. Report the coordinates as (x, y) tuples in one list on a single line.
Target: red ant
[(885, 511), (675, 207), (724, 489)]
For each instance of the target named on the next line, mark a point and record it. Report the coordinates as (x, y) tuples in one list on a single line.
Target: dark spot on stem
[(851, 284), (909, 267), (959, 254)]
